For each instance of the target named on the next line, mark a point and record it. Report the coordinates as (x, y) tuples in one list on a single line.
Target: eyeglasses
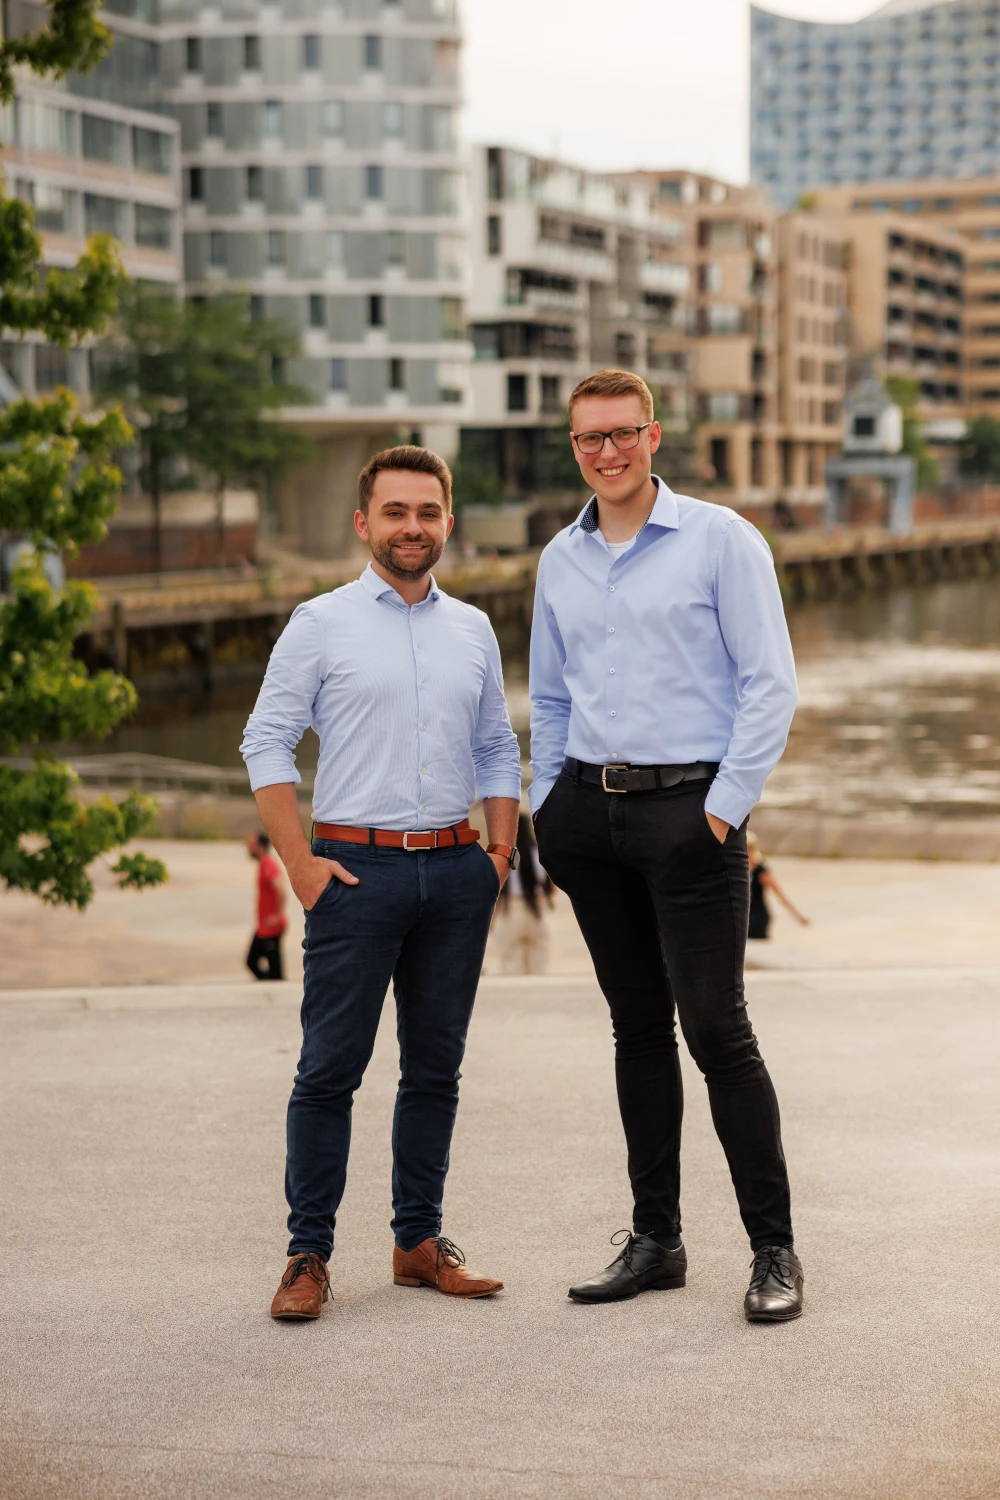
[(622, 437)]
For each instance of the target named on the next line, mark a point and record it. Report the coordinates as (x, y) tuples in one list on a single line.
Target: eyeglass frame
[(605, 435)]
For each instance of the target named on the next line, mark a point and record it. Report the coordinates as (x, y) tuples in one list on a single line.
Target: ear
[(655, 433), (361, 525), (450, 526)]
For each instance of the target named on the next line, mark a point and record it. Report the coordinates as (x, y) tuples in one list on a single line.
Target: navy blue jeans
[(420, 919)]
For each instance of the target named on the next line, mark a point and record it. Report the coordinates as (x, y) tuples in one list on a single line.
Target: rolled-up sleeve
[(752, 621), (551, 704), (284, 707), (495, 753)]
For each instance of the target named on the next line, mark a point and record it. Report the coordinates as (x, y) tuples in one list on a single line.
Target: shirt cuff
[(506, 784), (539, 790), (270, 769), (728, 803)]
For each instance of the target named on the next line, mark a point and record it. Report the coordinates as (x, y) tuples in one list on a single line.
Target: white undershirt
[(617, 548)]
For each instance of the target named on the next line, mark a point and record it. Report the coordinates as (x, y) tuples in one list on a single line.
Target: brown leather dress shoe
[(439, 1263), (303, 1289)]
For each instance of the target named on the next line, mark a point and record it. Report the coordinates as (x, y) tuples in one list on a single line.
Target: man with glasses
[(662, 687)]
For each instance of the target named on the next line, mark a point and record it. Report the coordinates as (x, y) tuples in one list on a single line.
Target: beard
[(407, 569)]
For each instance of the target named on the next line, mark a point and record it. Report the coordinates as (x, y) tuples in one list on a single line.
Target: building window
[(251, 54), (213, 119), (450, 396), (152, 150), (51, 367), (723, 406), (103, 140), (376, 310), (373, 182), (192, 54), (217, 248), (274, 123), (443, 128), (338, 374), (452, 322), (196, 184), (397, 375), (153, 226), (333, 117), (624, 349), (256, 307), (310, 51), (395, 248), (392, 120), (53, 207), (335, 247), (517, 393), (317, 310), (276, 247), (103, 215), (314, 182), (550, 393), (255, 184), (373, 53), (494, 242)]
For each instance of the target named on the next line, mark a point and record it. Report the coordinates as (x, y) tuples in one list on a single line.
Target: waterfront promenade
[(142, 1227)]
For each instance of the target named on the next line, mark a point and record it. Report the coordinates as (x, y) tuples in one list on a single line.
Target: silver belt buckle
[(618, 791), (420, 833)]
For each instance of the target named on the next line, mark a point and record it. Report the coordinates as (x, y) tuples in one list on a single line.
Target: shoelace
[(306, 1265), (628, 1243), (449, 1252), (772, 1260)]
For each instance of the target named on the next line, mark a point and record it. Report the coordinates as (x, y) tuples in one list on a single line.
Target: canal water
[(899, 710)]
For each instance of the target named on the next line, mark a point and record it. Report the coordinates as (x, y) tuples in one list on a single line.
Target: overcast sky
[(628, 83)]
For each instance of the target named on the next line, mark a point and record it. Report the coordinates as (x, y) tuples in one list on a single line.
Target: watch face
[(515, 859)]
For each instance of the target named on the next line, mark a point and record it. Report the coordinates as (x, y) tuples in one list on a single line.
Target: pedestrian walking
[(264, 957), (521, 933), (662, 687), (761, 879), (403, 686)]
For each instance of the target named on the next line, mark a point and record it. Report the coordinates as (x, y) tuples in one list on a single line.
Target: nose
[(606, 446)]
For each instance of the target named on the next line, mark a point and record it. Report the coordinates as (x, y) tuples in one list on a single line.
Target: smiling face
[(407, 522), (614, 474)]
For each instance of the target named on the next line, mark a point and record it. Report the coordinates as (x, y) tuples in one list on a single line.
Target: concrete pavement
[(143, 1235)]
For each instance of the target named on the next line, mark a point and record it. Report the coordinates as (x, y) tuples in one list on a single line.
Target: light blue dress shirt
[(675, 652), (408, 704)]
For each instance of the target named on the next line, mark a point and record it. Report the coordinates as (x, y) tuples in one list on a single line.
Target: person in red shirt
[(264, 957)]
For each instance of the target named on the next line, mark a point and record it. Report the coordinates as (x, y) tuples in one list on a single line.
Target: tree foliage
[(905, 391), (979, 454), (58, 488)]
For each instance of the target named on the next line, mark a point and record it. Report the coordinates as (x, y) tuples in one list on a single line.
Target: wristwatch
[(509, 852)]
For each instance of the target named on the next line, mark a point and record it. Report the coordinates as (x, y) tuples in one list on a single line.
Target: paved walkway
[(142, 1232)]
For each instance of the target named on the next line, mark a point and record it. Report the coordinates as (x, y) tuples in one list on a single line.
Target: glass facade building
[(911, 91)]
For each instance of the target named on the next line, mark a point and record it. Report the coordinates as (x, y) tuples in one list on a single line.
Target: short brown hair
[(409, 457), (614, 383)]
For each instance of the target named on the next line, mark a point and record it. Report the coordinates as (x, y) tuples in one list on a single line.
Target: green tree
[(58, 487), (905, 391), (979, 454), (234, 386)]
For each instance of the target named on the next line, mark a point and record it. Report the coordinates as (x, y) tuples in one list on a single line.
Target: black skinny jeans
[(663, 909)]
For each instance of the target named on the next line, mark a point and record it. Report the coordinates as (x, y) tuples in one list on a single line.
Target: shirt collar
[(378, 588), (663, 514)]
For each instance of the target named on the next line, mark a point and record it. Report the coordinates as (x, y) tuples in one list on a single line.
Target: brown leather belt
[(391, 838)]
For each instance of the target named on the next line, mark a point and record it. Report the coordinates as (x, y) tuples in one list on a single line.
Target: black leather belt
[(638, 778)]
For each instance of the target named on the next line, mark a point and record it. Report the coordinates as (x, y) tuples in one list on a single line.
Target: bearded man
[(403, 686)]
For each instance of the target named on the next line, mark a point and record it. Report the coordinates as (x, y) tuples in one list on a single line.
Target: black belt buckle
[(604, 779)]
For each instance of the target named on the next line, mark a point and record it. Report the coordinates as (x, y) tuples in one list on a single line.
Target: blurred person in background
[(264, 957), (761, 878), (520, 929)]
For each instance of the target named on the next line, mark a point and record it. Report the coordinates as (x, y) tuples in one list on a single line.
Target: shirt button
[(614, 755), (611, 588), (611, 631), (611, 671), (423, 729), (614, 713)]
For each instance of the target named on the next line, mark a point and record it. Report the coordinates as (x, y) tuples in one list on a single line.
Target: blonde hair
[(614, 383)]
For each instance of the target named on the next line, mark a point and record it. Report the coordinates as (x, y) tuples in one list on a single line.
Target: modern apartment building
[(911, 91), (93, 155), (572, 270), (972, 209), (322, 178)]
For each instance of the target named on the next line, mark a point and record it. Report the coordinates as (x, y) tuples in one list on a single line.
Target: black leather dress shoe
[(642, 1266), (775, 1291)]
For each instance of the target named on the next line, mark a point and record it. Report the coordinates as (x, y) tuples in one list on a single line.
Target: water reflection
[(899, 710)]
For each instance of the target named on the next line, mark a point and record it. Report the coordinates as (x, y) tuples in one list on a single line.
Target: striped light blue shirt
[(675, 652), (408, 704)]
